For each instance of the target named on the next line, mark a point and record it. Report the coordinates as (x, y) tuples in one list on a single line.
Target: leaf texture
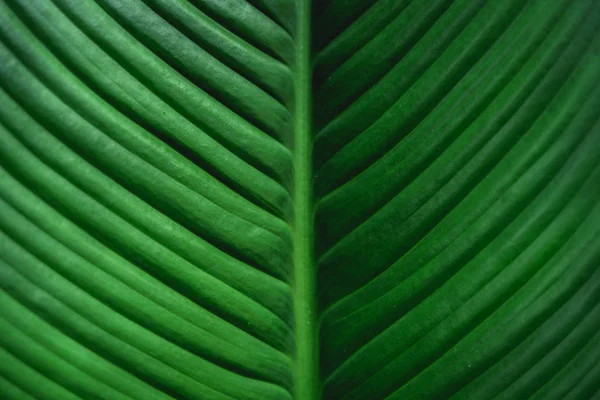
[(273, 199), (457, 190), (144, 200)]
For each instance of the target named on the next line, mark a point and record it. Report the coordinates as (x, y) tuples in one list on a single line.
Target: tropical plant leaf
[(273, 199)]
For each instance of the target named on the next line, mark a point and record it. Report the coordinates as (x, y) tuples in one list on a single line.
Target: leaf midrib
[(305, 307)]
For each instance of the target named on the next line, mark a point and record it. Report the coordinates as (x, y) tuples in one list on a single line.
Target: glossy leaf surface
[(273, 199)]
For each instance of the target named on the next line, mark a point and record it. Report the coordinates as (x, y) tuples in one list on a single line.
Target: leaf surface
[(273, 199)]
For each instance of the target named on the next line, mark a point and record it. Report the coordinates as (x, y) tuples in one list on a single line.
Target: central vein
[(305, 294)]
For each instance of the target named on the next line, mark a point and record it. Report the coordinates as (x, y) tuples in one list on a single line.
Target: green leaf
[(273, 199)]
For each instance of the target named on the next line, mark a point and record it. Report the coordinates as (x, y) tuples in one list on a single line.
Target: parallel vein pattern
[(286, 199), (145, 175), (456, 158)]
